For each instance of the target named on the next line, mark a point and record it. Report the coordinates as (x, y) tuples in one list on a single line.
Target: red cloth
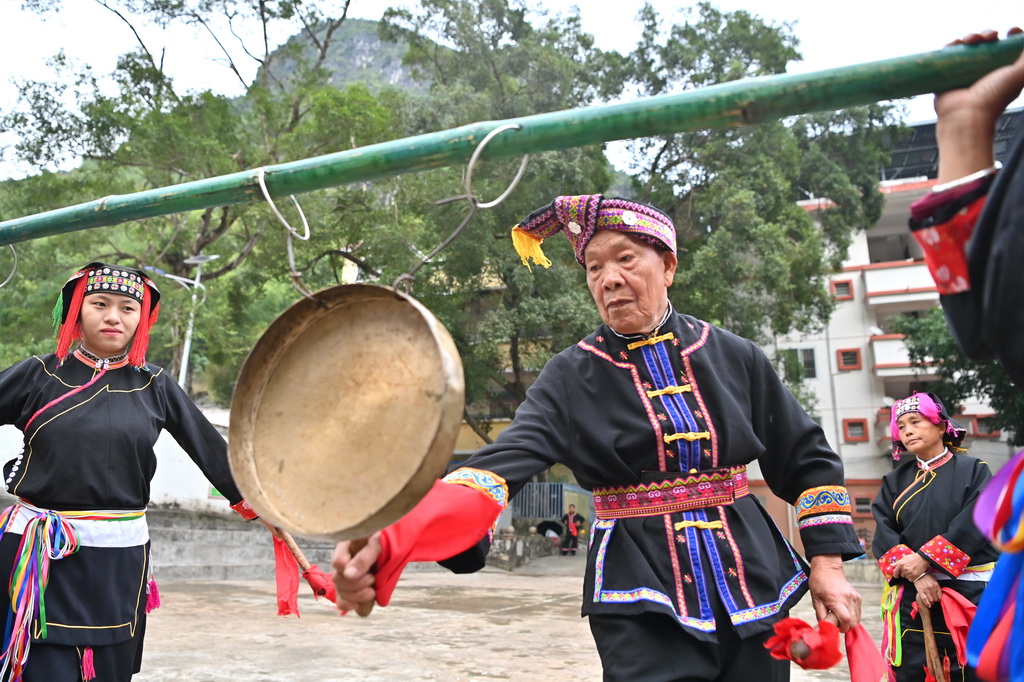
[(450, 519), (321, 583), (865, 660), (958, 612), (945, 249), (286, 570), (866, 663), (246, 510), (823, 643)]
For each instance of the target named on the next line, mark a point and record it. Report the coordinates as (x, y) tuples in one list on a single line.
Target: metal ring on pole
[(476, 155), (14, 268), (260, 176)]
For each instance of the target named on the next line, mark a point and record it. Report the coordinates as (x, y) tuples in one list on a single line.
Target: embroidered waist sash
[(49, 535), (682, 493)]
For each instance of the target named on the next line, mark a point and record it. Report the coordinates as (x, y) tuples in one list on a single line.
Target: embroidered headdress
[(579, 217), (931, 408), (97, 278)]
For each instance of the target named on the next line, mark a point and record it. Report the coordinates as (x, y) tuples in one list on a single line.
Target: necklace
[(89, 358), (934, 461)]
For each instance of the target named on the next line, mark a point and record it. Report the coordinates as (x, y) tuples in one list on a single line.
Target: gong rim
[(345, 412)]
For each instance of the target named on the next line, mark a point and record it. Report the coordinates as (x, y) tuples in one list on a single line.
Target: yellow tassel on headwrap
[(528, 247)]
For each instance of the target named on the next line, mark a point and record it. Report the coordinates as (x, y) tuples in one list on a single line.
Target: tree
[(928, 338), (750, 258), (142, 133)]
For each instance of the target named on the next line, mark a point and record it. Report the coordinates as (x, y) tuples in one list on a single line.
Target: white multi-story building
[(855, 367)]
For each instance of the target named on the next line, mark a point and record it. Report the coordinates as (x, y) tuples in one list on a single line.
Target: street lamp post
[(186, 350)]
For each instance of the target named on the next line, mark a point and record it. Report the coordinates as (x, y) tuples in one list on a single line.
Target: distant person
[(573, 524), (75, 546), (925, 539)]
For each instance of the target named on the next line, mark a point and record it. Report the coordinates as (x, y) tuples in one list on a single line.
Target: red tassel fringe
[(152, 596), (88, 666), (137, 355)]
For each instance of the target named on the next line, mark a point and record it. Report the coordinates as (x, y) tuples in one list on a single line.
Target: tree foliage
[(750, 258), (932, 346)]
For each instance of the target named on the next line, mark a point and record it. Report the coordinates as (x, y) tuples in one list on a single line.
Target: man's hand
[(832, 593), (967, 116), (353, 576)]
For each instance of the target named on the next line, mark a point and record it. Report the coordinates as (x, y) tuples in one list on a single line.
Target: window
[(807, 360), (984, 427), (848, 358), (862, 505), (855, 430), (842, 289)]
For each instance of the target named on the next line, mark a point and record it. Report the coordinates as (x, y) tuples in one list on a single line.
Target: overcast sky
[(831, 34)]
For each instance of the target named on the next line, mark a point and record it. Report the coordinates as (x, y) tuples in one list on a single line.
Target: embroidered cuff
[(245, 510), (824, 499), (946, 555), (887, 562), (945, 247), (489, 483)]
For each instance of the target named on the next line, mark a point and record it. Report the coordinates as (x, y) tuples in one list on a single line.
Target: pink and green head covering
[(579, 217), (931, 408)]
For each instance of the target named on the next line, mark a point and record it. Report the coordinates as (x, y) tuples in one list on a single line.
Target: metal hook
[(293, 271), (14, 268), (260, 176), (476, 156), (407, 279)]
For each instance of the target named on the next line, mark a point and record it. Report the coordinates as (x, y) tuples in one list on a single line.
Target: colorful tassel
[(527, 246), (152, 596), (68, 332), (47, 537), (88, 664)]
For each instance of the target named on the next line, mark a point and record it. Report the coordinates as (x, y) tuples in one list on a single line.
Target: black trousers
[(653, 647)]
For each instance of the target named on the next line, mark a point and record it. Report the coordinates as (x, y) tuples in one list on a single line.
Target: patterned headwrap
[(579, 217), (929, 405), (96, 278)]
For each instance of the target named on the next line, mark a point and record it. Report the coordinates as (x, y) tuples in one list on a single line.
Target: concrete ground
[(491, 625)]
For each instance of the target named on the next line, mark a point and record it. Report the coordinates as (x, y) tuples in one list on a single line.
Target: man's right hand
[(353, 573)]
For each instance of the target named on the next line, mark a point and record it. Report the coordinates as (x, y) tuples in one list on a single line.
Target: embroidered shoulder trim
[(487, 482), (824, 499), (946, 555)]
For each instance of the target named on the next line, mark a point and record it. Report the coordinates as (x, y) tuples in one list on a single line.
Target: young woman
[(926, 542), (75, 547)]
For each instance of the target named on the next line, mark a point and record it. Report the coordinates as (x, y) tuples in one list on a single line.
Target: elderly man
[(657, 413)]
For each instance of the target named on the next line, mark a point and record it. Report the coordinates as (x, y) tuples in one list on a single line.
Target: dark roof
[(916, 155)]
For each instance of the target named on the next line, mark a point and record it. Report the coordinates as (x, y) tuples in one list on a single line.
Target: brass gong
[(345, 412)]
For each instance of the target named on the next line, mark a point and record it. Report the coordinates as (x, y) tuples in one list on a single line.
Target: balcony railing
[(898, 282)]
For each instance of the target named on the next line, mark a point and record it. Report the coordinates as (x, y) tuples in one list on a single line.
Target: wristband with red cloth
[(945, 246), (450, 519), (245, 510)]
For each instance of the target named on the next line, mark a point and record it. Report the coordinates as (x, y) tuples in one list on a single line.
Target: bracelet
[(984, 173), (919, 577)]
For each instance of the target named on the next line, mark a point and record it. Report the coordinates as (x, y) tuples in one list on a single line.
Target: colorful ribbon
[(48, 536), (999, 513)]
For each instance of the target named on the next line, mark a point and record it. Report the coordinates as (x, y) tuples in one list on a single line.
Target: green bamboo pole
[(743, 102)]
